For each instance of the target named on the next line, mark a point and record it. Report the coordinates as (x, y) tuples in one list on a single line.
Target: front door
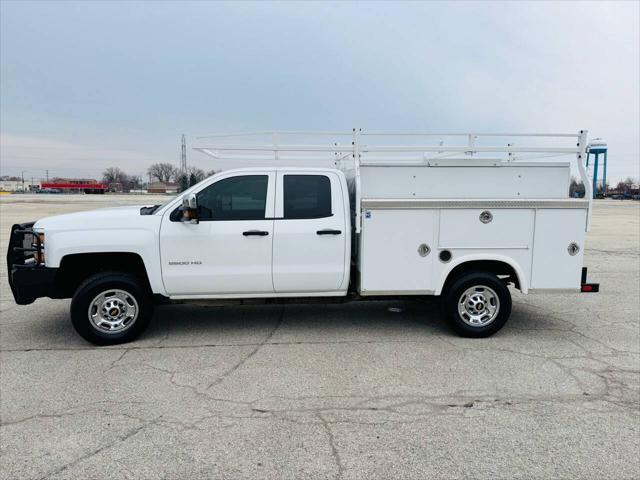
[(230, 250), (310, 233)]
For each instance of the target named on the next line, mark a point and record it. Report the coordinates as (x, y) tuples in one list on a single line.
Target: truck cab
[(250, 225)]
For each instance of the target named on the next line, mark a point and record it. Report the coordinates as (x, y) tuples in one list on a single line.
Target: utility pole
[(47, 176), (183, 156)]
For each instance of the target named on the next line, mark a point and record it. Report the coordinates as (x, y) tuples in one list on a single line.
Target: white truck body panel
[(475, 179), (391, 263)]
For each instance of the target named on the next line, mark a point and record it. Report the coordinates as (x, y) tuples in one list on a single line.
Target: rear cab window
[(306, 196)]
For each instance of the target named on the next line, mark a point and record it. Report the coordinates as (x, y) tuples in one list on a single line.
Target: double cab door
[(260, 233)]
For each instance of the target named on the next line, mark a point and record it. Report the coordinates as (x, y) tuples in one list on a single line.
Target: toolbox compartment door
[(503, 229), (391, 260), (554, 267)]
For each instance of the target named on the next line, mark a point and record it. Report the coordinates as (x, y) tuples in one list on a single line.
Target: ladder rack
[(350, 150)]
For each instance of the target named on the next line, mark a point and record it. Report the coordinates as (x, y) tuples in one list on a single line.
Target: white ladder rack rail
[(246, 150)]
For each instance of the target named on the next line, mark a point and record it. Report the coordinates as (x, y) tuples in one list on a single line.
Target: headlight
[(39, 254)]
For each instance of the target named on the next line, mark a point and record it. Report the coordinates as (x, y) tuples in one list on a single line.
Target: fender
[(522, 279), (143, 242)]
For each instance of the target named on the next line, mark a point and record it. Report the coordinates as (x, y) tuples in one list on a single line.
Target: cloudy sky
[(89, 85)]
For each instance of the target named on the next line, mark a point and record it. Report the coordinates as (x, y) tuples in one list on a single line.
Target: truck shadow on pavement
[(295, 323), (192, 325), (299, 323)]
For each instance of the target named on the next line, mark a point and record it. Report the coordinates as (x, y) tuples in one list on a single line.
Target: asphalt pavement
[(358, 391)]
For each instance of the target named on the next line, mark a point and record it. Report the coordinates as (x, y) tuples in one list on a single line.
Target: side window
[(307, 196), (235, 198)]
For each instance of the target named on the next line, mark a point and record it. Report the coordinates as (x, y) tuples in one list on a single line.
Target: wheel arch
[(76, 267), (497, 264)]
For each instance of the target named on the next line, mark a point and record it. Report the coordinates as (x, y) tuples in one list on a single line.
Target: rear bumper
[(586, 287), (27, 278)]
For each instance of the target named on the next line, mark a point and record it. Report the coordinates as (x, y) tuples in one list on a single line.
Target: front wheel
[(478, 304), (111, 308)]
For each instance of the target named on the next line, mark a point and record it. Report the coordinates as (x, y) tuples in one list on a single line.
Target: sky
[(85, 86)]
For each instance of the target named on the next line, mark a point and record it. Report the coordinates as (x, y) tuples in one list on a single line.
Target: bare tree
[(625, 186), (196, 174), (163, 172), (113, 175), (183, 181), (131, 182), (576, 189)]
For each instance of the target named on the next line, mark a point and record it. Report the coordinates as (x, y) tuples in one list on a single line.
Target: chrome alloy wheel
[(478, 306), (113, 311)]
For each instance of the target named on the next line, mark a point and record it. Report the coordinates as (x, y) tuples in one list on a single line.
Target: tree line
[(576, 188), (159, 172)]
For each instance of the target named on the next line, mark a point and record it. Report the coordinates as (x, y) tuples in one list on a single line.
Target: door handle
[(328, 231), (255, 233)]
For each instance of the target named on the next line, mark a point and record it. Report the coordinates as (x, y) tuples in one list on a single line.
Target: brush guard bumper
[(28, 278)]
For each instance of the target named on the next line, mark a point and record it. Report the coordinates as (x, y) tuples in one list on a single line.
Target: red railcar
[(86, 185)]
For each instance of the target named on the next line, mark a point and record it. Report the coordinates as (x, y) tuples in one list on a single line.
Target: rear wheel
[(111, 308), (477, 304)]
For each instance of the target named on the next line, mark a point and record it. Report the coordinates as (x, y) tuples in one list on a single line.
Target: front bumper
[(27, 278), (31, 282)]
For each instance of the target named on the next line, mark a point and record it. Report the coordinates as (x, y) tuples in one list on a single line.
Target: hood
[(104, 218)]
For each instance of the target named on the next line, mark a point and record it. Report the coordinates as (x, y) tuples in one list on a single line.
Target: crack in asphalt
[(335, 454), (120, 439), (222, 377), (116, 361)]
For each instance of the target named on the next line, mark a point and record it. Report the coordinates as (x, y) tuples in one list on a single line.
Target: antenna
[(183, 156)]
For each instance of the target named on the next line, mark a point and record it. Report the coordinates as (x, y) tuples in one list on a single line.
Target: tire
[(477, 304), (110, 308)]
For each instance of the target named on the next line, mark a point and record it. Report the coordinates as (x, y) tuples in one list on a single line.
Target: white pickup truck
[(389, 221)]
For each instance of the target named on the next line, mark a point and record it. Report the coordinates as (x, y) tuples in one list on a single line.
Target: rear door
[(310, 233)]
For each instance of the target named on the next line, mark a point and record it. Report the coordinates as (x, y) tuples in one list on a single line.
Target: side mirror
[(189, 208)]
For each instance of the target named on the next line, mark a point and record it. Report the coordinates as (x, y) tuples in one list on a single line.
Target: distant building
[(160, 187), (19, 186)]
